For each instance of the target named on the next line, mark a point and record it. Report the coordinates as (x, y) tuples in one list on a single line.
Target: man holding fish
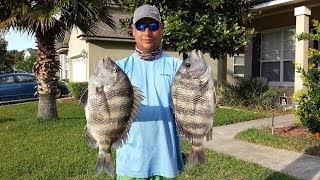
[(168, 105)]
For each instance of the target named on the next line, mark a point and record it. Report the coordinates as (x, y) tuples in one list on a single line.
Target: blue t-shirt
[(153, 144)]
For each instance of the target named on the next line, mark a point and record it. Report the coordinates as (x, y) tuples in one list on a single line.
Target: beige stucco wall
[(75, 48), (76, 45), (119, 50), (99, 49)]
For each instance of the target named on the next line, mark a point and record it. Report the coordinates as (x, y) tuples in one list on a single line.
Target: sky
[(19, 41)]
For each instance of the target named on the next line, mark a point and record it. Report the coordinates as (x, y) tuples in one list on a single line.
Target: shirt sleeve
[(120, 63)]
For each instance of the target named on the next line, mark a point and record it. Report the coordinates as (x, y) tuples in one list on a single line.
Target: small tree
[(26, 64), (6, 61), (308, 99), (217, 27), (17, 55)]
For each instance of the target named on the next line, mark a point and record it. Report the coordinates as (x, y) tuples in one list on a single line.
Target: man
[(152, 150)]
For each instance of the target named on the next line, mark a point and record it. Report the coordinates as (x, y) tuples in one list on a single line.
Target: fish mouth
[(108, 60), (197, 54)]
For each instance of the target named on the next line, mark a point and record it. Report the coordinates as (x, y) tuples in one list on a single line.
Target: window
[(66, 67), (277, 56), (238, 65), (7, 80), (26, 79)]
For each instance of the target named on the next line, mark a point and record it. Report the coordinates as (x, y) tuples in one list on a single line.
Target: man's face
[(147, 40)]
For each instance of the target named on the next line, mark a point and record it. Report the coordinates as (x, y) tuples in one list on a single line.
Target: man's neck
[(148, 56)]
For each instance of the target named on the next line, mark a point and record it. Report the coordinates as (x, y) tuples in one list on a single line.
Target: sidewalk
[(299, 165)]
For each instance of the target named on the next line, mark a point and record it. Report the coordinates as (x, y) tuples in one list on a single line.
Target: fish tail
[(105, 163), (196, 156)]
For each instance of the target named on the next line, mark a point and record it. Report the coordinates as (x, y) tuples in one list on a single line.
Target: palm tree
[(49, 20)]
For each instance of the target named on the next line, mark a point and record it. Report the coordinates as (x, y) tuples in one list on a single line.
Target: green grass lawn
[(33, 149), (226, 116), (303, 144)]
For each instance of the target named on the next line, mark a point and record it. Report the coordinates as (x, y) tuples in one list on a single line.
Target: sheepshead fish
[(193, 98), (110, 103)]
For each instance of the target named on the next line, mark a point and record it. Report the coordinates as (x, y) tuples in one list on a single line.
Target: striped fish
[(193, 98), (111, 103)]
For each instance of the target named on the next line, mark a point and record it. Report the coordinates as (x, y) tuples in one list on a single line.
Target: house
[(79, 53), (29, 52), (274, 50), (270, 54)]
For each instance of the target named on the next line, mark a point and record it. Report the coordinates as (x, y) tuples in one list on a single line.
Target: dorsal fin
[(137, 99), (84, 98)]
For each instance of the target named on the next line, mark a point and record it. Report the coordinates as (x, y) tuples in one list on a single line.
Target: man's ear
[(132, 31)]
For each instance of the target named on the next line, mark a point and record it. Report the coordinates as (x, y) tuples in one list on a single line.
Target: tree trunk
[(46, 69), (47, 107)]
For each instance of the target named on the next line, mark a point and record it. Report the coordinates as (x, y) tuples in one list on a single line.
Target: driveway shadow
[(306, 166)]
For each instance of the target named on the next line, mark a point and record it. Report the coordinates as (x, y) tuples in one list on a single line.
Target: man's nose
[(147, 31)]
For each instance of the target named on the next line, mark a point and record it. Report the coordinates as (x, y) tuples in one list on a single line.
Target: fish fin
[(204, 86), (199, 94), (101, 93), (196, 156), (201, 89), (137, 99), (89, 138), (183, 133), (104, 162), (84, 98), (209, 134)]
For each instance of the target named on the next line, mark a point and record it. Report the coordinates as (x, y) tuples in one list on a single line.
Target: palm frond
[(31, 15)]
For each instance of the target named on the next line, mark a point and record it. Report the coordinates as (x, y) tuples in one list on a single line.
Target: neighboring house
[(29, 52), (270, 54), (62, 56)]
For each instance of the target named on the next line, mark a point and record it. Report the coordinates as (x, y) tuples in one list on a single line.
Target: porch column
[(302, 14)]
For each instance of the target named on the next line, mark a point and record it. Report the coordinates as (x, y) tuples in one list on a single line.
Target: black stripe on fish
[(206, 113)]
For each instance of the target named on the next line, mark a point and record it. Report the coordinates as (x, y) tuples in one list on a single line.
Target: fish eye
[(188, 64), (115, 70)]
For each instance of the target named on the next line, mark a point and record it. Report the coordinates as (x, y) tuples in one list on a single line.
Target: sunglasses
[(153, 26)]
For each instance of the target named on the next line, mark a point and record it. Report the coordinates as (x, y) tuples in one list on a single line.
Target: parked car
[(18, 86)]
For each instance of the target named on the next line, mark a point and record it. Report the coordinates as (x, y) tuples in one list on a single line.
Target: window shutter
[(256, 53)]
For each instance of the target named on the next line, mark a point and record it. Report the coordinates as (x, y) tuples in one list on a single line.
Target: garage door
[(79, 70)]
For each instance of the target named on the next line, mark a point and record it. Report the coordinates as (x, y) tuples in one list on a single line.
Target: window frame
[(238, 65), (281, 61)]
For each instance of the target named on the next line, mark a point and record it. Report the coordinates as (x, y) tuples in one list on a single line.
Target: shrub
[(77, 88), (308, 99), (251, 93), (65, 80)]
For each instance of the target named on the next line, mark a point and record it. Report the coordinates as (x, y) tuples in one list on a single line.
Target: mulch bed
[(293, 130)]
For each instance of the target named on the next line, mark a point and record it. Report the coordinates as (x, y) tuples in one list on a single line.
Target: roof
[(271, 4), (31, 51), (104, 31), (256, 2), (61, 47)]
